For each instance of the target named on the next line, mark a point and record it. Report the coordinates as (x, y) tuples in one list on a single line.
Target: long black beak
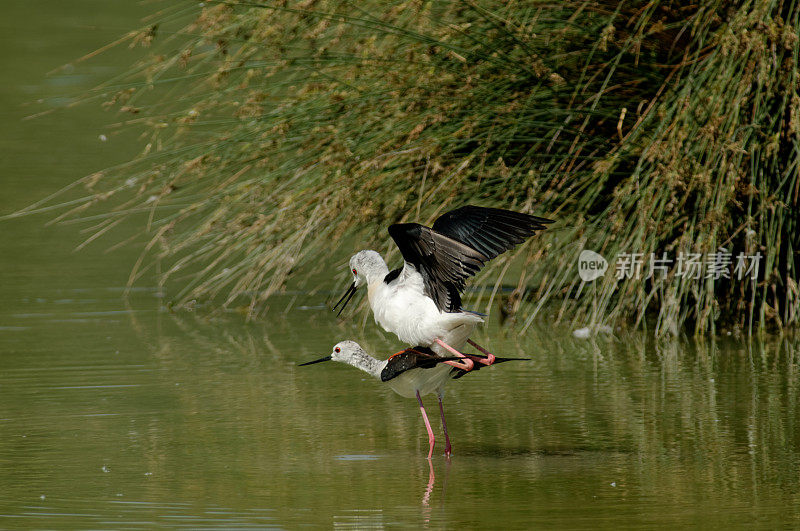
[(347, 294), (326, 358)]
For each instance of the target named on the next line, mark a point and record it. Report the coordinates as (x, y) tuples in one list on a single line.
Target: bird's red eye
[(337, 349), (355, 272)]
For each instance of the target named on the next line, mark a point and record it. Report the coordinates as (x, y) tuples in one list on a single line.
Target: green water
[(115, 413)]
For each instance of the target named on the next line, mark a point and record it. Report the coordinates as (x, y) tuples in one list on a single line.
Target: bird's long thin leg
[(465, 364), (431, 439), (447, 447), (489, 356)]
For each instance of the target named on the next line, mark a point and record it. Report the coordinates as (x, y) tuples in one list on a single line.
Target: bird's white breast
[(425, 381), (403, 309)]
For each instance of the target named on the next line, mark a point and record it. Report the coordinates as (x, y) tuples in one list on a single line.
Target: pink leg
[(489, 356), (431, 440), (447, 447), (465, 364)]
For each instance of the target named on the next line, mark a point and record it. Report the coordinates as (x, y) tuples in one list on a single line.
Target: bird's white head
[(346, 351), (351, 353), (367, 266)]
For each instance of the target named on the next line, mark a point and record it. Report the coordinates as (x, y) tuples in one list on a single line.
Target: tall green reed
[(274, 129)]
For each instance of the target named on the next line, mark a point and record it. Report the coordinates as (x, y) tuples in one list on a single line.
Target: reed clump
[(656, 128)]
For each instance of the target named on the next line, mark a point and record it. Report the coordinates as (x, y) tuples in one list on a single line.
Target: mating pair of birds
[(421, 301)]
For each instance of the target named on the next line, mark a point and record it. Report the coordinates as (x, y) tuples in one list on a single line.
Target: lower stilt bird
[(412, 373)]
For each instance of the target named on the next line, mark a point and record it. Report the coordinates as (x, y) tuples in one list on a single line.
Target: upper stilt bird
[(413, 372), (421, 301)]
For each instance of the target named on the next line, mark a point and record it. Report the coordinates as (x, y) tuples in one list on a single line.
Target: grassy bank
[(274, 129)]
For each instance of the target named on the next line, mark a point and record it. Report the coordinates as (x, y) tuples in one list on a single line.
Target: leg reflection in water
[(426, 498)]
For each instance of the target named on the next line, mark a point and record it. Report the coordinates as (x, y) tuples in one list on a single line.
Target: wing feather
[(410, 358), (458, 245), (490, 231), (443, 262)]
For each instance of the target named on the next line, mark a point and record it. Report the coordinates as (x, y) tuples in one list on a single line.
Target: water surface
[(115, 412)]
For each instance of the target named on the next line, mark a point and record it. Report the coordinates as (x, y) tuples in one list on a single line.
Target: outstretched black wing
[(458, 245), (490, 231), (443, 262), (411, 358)]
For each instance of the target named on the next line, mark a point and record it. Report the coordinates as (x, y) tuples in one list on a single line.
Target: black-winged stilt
[(413, 372), (421, 302)]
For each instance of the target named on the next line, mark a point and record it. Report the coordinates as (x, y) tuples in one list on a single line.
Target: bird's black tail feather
[(478, 365)]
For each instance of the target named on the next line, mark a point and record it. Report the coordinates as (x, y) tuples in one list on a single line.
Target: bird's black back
[(410, 358)]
